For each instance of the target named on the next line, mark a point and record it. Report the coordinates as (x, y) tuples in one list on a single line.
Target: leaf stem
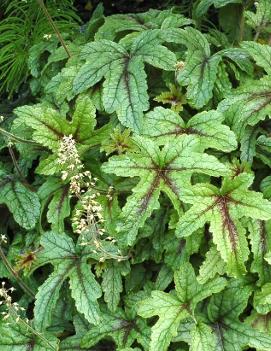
[(16, 164), (16, 138), (55, 29), (34, 331), (20, 282), (256, 36)]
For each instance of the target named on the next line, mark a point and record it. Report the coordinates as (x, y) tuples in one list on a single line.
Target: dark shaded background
[(85, 7)]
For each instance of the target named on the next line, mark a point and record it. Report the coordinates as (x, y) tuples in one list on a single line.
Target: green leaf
[(151, 19), (173, 308), (16, 336), (48, 295), (247, 105), (59, 250), (22, 202), (73, 342), (260, 53), (83, 121), (189, 291), (164, 125), (120, 327), (203, 6), (260, 245), (240, 58), (260, 21), (202, 338), (223, 312), (200, 68), (263, 148), (259, 322), (56, 248), (262, 299), (49, 165), (112, 283), (248, 143), (223, 208), (170, 313), (59, 209), (85, 291), (60, 86), (166, 170), (49, 126), (125, 85), (212, 265)]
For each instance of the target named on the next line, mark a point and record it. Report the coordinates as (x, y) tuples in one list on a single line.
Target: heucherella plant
[(135, 185)]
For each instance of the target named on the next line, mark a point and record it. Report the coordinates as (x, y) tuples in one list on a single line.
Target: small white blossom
[(47, 36), (3, 239), (13, 308)]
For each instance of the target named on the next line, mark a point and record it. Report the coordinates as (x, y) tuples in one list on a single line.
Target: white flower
[(47, 36)]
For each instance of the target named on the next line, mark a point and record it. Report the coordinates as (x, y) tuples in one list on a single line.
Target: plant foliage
[(135, 187)]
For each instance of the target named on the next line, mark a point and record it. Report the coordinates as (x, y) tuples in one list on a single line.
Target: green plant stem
[(50, 20), (257, 34), (35, 332), (20, 282), (242, 25), (16, 164), (16, 138)]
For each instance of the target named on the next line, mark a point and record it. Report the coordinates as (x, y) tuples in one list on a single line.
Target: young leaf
[(173, 97), (166, 170), (223, 208), (125, 86), (163, 125)]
